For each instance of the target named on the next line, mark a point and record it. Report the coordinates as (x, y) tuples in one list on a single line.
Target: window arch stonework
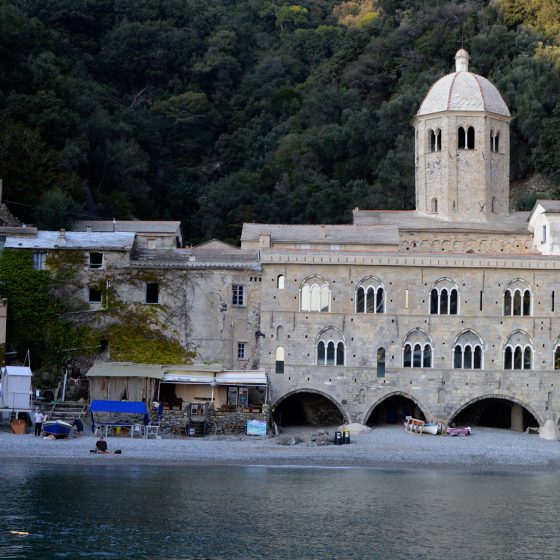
[(444, 298), (417, 351), (468, 351), (518, 299), (330, 348), (315, 295), (518, 351), (370, 296)]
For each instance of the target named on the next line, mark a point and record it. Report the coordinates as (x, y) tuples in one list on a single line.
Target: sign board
[(256, 428)]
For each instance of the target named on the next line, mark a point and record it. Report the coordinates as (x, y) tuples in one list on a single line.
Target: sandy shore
[(386, 447)]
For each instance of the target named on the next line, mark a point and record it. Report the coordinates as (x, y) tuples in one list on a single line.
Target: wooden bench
[(413, 425)]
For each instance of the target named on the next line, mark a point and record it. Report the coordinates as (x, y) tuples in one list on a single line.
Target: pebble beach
[(384, 447)]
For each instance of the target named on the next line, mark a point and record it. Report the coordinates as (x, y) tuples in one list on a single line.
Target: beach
[(384, 447)]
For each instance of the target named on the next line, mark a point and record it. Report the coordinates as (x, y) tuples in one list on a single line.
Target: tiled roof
[(463, 91), (385, 234), (195, 259), (72, 240), (136, 226), (410, 220)]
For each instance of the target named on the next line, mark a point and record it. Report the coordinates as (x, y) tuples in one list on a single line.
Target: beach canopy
[(128, 407)]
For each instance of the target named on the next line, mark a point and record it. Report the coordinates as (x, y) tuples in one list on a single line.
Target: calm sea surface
[(139, 512)]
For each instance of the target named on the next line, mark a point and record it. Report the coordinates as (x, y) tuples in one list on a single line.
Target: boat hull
[(57, 428), (430, 429)]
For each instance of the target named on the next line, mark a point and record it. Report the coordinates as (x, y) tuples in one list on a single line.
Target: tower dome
[(462, 148), (463, 91)]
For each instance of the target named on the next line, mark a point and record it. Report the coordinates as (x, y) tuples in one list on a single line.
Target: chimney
[(322, 232), (61, 237), (114, 224), (89, 229)]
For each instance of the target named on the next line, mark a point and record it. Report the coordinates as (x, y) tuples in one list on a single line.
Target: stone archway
[(308, 407), (393, 407), (496, 411)]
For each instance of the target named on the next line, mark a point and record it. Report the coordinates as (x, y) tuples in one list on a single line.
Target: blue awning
[(128, 407)]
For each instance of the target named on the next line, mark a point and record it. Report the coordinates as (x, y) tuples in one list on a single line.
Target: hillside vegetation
[(217, 112)]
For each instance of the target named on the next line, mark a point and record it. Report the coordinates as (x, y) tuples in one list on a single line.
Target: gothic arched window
[(444, 298), (315, 295), (280, 360), (370, 296), (518, 351), (518, 299), (467, 351), (330, 348), (417, 350)]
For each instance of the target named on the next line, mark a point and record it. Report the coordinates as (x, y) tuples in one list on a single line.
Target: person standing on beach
[(39, 419)]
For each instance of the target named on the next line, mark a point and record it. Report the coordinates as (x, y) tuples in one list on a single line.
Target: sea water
[(140, 512)]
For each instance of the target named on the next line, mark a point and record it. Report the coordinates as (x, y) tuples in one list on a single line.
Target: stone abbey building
[(449, 312)]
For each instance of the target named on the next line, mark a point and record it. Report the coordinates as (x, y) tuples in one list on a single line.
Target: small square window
[(95, 260), (94, 295), (241, 350), (238, 295), (152, 292), (40, 261)]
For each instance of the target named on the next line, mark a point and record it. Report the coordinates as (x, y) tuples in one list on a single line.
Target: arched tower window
[(470, 138), (467, 351), (518, 299), (330, 348), (370, 296), (432, 140), (434, 205), (444, 298), (280, 282), (494, 141), (461, 138), (518, 351), (557, 356), (417, 350), (315, 295)]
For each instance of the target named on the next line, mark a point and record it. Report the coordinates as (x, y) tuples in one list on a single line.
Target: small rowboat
[(57, 428)]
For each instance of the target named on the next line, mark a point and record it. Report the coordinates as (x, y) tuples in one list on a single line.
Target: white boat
[(430, 429)]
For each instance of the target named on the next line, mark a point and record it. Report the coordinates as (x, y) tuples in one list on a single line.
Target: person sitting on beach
[(101, 447)]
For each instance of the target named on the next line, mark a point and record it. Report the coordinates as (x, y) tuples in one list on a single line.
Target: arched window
[(518, 351), (494, 141), (434, 205), (330, 348), (417, 350), (280, 360), (461, 138), (438, 140), (315, 295), (432, 140), (280, 282), (370, 296), (467, 351), (381, 362), (470, 138), (517, 299), (444, 298)]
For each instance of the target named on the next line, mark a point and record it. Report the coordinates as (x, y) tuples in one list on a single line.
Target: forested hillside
[(217, 112)]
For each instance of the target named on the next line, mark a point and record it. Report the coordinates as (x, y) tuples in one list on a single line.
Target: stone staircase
[(67, 411)]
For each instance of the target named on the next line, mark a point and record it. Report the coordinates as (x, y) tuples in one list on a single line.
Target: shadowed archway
[(392, 409), (307, 408), (495, 412)]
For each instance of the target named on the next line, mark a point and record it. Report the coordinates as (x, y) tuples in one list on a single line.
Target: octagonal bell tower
[(462, 148)]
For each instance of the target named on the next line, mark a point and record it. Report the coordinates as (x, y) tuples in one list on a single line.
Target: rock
[(355, 428), (550, 431), (285, 440)]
